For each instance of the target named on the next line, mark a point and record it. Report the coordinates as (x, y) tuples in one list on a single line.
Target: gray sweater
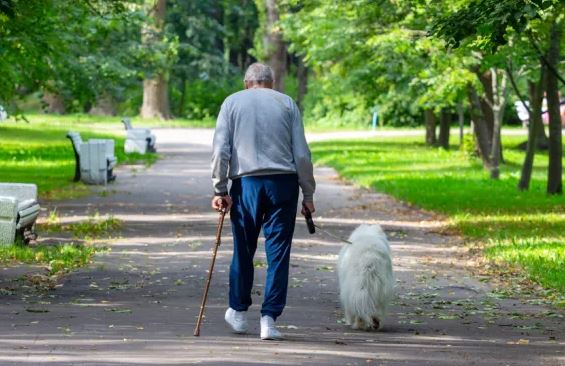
[(259, 132)]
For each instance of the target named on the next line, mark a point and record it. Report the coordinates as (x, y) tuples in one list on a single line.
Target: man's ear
[(246, 84)]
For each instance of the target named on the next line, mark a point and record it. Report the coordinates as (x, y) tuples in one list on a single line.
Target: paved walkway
[(137, 304)]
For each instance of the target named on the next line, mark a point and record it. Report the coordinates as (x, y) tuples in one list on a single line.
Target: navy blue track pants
[(268, 202)]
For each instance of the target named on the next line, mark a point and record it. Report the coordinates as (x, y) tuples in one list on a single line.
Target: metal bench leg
[(111, 177), (150, 148)]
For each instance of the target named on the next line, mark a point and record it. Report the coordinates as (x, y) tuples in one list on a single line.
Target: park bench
[(522, 112), (139, 140), (18, 211), (95, 159)]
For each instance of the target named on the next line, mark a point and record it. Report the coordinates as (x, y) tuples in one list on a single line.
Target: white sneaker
[(237, 320), (268, 329)]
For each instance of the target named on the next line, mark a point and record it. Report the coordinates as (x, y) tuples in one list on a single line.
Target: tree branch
[(544, 59), (515, 87)]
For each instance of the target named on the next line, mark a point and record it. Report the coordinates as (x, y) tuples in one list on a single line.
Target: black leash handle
[(309, 221)]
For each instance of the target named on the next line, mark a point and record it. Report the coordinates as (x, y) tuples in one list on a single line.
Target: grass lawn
[(523, 229), (112, 123), (38, 152)]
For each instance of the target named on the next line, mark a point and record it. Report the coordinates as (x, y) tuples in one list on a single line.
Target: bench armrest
[(8, 208), (20, 191)]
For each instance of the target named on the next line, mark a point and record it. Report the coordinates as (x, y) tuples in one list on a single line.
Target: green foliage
[(87, 52), (39, 40), (204, 73), (203, 98), (485, 23), (105, 57), (469, 146), (366, 54), (447, 182)]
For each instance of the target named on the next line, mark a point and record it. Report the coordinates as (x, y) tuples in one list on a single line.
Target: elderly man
[(259, 145)]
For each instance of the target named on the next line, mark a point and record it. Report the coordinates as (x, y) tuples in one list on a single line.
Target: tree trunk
[(542, 142), (275, 46), (536, 96), (226, 40), (492, 110), (104, 106), (486, 101), (497, 106), (155, 99), (554, 178), (480, 128), (444, 128), (302, 75), (155, 88), (461, 120), (430, 120), (54, 103)]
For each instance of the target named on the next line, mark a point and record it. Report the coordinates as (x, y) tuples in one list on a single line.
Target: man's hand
[(222, 202), (309, 206)]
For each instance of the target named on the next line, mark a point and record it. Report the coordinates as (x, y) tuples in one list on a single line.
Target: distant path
[(137, 304)]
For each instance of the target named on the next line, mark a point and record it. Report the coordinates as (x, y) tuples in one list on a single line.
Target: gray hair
[(260, 73)]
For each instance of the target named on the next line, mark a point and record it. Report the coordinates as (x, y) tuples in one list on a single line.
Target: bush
[(469, 146), (203, 98)]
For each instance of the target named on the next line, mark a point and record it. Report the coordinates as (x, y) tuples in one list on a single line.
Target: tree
[(555, 169), (364, 54), (213, 42), (430, 122), (275, 46), (38, 43), (535, 90), (155, 86), (302, 76), (484, 25), (269, 44), (444, 128)]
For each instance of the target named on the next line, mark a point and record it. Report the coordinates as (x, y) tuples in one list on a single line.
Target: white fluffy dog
[(365, 275)]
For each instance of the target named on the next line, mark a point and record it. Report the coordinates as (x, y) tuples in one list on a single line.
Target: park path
[(137, 304)]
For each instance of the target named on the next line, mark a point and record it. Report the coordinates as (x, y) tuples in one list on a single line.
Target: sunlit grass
[(543, 258), (523, 228), (94, 227), (113, 122)]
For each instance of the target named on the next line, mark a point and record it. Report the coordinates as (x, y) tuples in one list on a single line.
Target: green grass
[(526, 229), (93, 228), (113, 123), (38, 152), (57, 258)]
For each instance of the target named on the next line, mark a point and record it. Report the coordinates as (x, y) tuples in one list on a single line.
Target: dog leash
[(312, 226), (332, 235)]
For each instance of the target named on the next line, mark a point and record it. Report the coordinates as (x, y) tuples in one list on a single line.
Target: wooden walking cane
[(205, 297)]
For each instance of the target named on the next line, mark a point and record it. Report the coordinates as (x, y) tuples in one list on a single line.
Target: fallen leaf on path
[(417, 322), (29, 310), (118, 310), (520, 341)]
